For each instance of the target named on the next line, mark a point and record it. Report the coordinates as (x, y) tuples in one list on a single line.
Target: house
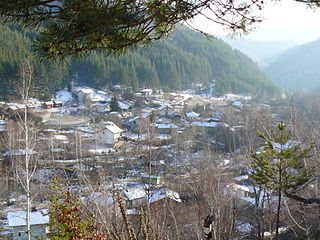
[(18, 152), (39, 220), (237, 104), (52, 104), (164, 193), (135, 196), (100, 106), (150, 179), (83, 93), (208, 124), (146, 92), (123, 106), (166, 110), (103, 132), (166, 128), (192, 115), (110, 134)]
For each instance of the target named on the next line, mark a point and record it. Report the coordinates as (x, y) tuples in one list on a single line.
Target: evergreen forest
[(181, 61)]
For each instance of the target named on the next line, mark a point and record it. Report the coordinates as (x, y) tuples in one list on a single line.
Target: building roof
[(114, 128), (19, 152), (18, 218), (134, 193), (192, 114), (166, 126), (63, 96), (209, 124), (162, 193), (85, 90)]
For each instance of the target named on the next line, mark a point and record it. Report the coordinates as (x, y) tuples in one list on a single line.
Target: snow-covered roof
[(146, 90), (18, 218), (85, 90), (3, 122), (162, 193), (114, 128), (192, 114), (100, 198), (59, 137), (135, 193), (244, 228), (63, 96), (19, 152), (123, 106), (166, 126), (237, 103), (163, 107), (209, 124), (133, 119)]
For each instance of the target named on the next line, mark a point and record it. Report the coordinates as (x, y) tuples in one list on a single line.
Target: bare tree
[(27, 166)]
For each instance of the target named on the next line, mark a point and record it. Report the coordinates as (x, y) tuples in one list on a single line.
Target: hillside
[(262, 52), (179, 62), (298, 68)]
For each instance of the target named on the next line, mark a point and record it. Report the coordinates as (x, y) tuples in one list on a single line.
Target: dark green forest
[(180, 61)]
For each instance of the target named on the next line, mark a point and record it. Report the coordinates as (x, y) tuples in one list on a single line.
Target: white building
[(39, 220), (110, 134)]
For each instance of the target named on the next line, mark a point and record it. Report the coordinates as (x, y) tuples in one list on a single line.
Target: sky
[(286, 20)]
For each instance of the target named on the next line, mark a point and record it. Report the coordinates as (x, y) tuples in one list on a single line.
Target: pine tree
[(114, 104), (280, 166)]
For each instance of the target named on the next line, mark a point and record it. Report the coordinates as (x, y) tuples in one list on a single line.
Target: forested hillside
[(185, 58), (298, 68)]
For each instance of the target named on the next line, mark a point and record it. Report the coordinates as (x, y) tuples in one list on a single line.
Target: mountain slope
[(178, 62), (262, 52), (298, 68)]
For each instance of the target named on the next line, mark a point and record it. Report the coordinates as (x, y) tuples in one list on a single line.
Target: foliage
[(16, 45), (280, 166), (114, 104), (187, 58), (76, 27), (68, 222)]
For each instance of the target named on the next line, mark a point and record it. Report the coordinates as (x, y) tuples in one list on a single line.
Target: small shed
[(39, 220)]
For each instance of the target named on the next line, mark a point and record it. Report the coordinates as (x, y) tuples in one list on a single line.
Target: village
[(148, 147)]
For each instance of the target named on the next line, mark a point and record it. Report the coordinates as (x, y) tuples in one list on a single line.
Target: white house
[(110, 134), (83, 94), (39, 220), (100, 107), (146, 92)]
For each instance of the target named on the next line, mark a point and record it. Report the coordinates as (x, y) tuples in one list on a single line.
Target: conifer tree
[(280, 166), (114, 104)]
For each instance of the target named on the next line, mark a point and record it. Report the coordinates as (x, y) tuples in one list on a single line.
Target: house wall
[(37, 231), (107, 137), (81, 97)]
